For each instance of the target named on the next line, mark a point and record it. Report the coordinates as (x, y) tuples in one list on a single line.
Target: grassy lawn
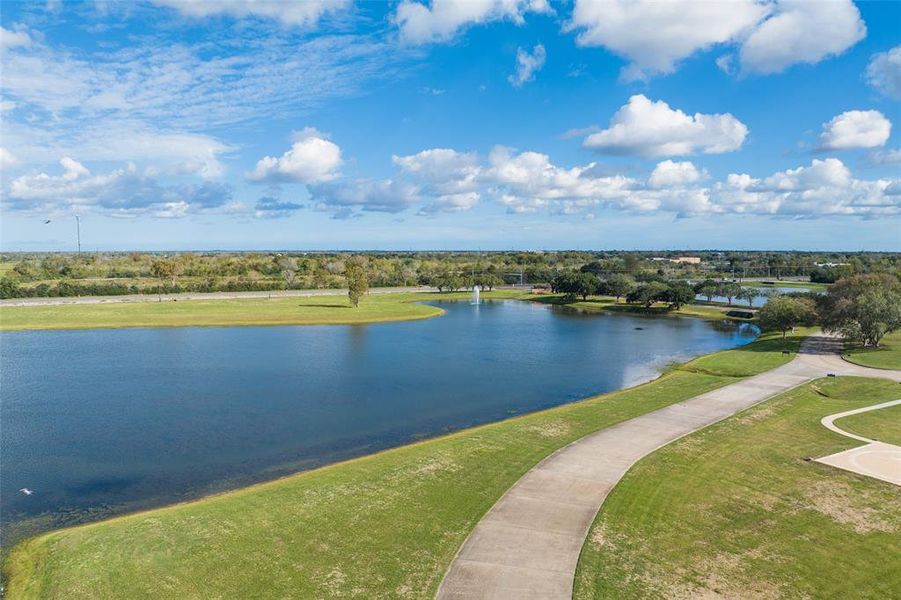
[(315, 310), (887, 356), (381, 526), (883, 424), (735, 511)]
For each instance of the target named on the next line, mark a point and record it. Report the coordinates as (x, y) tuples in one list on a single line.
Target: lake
[(97, 422), (761, 299)]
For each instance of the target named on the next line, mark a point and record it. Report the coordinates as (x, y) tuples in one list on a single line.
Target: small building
[(688, 260)]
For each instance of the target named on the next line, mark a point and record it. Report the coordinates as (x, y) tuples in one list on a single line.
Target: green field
[(883, 424), (887, 356), (736, 511), (314, 310), (381, 526)]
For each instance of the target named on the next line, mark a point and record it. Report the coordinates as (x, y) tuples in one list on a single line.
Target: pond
[(764, 294), (96, 422)]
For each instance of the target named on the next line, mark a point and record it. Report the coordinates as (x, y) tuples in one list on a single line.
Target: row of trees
[(863, 309), (585, 283)]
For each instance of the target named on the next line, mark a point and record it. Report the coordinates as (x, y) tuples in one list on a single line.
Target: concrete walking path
[(874, 459), (528, 544)]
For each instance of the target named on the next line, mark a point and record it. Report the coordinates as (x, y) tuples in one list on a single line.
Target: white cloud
[(884, 72), (886, 157), (771, 35), (527, 64), (674, 174), (856, 129), (801, 31), (120, 192), (7, 159), (654, 36), (442, 20), (649, 128), (305, 12), (13, 38), (451, 203), (311, 159), (380, 195)]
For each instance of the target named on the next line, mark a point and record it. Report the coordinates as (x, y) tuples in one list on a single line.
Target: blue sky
[(242, 124)]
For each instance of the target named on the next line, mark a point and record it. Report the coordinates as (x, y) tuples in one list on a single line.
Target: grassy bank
[(887, 356), (314, 310), (883, 424), (381, 526), (736, 511)]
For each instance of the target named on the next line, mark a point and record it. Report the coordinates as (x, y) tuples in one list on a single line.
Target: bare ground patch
[(838, 501)]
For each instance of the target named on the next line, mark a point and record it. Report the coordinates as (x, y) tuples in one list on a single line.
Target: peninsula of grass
[(312, 310), (883, 424), (886, 356), (611, 304), (382, 526), (738, 511)]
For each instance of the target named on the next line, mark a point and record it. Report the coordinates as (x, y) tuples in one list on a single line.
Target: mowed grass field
[(313, 310), (883, 424), (381, 526), (887, 356), (737, 511)]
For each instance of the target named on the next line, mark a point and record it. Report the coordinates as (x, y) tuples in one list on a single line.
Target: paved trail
[(528, 544)]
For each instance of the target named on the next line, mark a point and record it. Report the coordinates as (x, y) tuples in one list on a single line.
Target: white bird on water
[(26, 491)]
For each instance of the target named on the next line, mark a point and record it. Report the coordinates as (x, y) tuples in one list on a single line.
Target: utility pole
[(78, 231)]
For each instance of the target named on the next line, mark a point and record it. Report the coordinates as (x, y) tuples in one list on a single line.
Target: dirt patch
[(841, 503), (599, 536), (439, 464)]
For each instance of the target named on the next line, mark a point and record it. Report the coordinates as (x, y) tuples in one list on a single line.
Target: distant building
[(689, 260)]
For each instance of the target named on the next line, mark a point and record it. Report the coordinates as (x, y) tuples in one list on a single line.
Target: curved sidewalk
[(528, 544)]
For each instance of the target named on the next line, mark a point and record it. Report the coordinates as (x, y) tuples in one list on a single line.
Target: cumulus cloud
[(8, 160), (770, 36), (370, 195), (654, 36), (886, 157), (525, 182), (269, 207), (13, 38), (306, 12), (856, 129), (120, 192), (884, 72), (674, 174), (800, 31), (311, 159), (527, 64), (442, 20), (648, 128)]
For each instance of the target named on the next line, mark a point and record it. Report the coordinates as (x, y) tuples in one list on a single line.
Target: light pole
[(78, 232)]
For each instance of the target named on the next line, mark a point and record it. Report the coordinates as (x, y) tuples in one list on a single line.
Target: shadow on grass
[(325, 305)]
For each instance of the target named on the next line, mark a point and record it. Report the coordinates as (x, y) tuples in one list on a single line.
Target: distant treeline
[(115, 273)]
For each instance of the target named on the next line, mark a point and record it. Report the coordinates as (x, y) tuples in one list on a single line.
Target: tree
[(356, 272), (747, 294), (707, 288), (163, 269), (619, 285), (728, 290), (679, 293), (488, 281), (783, 313), (863, 308), (648, 293)]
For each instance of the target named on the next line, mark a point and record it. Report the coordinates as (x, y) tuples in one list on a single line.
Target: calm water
[(101, 421), (760, 300)]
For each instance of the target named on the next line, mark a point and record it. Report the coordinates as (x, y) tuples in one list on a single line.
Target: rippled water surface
[(100, 421)]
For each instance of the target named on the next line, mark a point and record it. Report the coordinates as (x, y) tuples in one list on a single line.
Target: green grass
[(886, 356), (381, 526), (735, 510), (883, 424), (314, 310)]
